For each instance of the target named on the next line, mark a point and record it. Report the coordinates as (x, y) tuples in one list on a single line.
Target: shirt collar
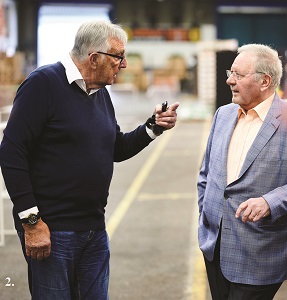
[(73, 74), (261, 109)]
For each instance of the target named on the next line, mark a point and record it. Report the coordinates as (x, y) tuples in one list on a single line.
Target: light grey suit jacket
[(251, 253)]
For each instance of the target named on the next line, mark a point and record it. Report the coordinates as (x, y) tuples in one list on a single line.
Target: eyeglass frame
[(121, 57), (239, 76)]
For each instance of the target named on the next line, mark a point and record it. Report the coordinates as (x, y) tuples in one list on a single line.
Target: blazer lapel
[(229, 126), (266, 131)]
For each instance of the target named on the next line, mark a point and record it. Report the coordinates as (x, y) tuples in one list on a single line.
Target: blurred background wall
[(181, 45)]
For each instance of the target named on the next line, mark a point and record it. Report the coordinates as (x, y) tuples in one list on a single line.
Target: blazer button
[(226, 196)]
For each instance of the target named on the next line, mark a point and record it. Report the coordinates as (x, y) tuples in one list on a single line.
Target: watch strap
[(32, 219), (151, 124)]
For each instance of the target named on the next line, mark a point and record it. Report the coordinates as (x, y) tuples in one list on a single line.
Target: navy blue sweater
[(58, 150)]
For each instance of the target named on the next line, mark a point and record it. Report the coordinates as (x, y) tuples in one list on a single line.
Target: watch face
[(32, 219)]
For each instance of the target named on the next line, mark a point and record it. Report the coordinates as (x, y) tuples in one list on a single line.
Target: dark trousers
[(222, 289)]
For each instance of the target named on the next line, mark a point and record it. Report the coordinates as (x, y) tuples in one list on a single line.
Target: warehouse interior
[(185, 45), (178, 50)]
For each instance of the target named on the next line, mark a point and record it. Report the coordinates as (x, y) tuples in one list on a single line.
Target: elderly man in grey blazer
[(242, 184)]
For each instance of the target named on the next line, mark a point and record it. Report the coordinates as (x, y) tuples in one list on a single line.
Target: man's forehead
[(117, 45), (243, 60)]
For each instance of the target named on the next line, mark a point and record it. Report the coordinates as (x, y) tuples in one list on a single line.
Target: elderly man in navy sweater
[(57, 157)]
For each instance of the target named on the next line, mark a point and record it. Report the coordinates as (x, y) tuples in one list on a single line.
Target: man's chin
[(112, 81), (235, 99)]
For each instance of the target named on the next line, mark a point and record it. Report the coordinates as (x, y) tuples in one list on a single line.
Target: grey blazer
[(251, 253)]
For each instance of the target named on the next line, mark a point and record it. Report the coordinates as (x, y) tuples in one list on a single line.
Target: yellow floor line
[(164, 196), (138, 182), (197, 276), (199, 284), (197, 280)]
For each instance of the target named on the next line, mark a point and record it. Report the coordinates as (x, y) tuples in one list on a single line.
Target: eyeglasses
[(119, 57), (239, 76)]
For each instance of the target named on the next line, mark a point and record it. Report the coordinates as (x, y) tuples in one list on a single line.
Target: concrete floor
[(151, 214)]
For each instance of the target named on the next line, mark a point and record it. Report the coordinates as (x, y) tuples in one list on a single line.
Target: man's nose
[(230, 80), (123, 64)]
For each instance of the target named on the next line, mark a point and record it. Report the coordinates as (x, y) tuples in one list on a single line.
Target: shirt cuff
[(24, 214), (150, 133)]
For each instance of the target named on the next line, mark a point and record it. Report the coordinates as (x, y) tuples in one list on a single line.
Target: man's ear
[(93, 59), (266, 81)]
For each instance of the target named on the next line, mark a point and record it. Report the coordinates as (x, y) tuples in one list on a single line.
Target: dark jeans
[(222, 289), (78, 267)]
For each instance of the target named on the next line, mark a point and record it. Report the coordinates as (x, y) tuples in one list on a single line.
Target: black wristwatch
[(32, 219), (156, 129)]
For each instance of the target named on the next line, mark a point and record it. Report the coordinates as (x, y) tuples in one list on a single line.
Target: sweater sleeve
[(24, 126), (129, 144)]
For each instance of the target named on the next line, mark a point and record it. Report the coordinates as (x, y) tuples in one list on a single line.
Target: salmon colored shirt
[(243, 136)]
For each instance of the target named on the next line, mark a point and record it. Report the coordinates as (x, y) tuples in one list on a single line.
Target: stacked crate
[(11, 68)]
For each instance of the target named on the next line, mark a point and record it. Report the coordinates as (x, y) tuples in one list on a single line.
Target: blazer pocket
[(279, 224)]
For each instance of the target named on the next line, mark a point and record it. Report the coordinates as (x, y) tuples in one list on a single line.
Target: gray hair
[(95, 36), (267, 61)]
